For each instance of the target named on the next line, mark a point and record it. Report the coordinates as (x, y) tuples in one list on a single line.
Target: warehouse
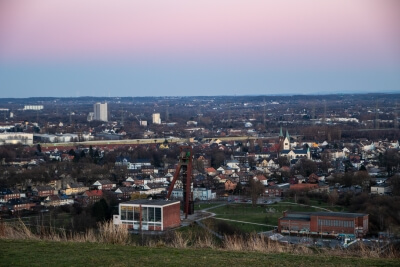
[(324, 223)]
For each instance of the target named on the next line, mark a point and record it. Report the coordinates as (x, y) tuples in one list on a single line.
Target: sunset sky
[(69, 48)]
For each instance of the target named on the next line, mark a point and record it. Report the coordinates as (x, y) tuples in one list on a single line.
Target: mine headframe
[(184, 173)]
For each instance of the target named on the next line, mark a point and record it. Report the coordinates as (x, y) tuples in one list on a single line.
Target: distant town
[(299, 169)]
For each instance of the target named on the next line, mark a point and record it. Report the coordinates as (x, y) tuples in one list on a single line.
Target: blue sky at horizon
[(168, 48)]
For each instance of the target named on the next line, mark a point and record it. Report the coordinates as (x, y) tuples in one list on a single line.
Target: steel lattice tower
[(184, 172)]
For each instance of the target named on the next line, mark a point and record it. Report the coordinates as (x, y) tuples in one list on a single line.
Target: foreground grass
[(46, 253)]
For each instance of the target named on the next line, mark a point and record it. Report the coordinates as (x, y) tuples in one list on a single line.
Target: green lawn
[(317, 203), (262, 214), (42, 253), (60, 220), (248, 227), (201, 206)]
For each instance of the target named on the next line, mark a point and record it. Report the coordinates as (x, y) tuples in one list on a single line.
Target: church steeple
[(281, 133), (287, 134)]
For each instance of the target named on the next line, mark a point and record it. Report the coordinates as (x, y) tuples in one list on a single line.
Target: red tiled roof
[(211, 169), (303, 186), (92, 193)]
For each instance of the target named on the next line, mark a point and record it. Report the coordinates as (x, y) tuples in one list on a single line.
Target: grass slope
[(42, 253)]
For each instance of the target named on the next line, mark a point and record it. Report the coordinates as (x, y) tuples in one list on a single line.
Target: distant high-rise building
[(100, 112), (156, 118), (90, 116)]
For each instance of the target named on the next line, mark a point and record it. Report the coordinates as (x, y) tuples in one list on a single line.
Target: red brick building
[(324, 223), (92, 196), (44, 191), (18, 205), (7, 194), (152, 215), (125, 192)]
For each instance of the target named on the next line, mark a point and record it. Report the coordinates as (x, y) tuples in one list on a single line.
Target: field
[(45, 253), (258, 218), (261, 217)]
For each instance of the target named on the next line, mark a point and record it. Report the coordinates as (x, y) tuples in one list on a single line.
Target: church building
[(287, 151)]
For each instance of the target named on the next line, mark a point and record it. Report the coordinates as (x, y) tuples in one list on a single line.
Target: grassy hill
[(48, 253)]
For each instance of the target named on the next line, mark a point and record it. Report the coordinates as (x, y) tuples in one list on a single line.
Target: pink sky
[(287, 30)]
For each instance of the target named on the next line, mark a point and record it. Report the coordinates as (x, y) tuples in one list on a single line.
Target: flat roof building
[(324, 223), (152, 215), (100, 112), (156, 118), (16, 138)]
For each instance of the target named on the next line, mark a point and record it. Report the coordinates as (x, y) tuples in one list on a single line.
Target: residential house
[(381, 189), (128, 182), (138, 164), (261, 178), (313, 178), (75, 188), (277, 190), (43, 191), (7, 193), (147, 170), (203, 194), (19, 204), (104, 185), (125, 192), (230, 185), (56, 201), (92, 196), (122, 161), (211, 171)]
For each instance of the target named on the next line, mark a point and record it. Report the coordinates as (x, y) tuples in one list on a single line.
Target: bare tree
[(256, 188)]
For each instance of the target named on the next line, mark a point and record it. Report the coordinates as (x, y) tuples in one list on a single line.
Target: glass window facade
[(336, 223), (150, 216)]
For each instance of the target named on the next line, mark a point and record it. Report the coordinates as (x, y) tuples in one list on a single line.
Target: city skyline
[(162, 48)]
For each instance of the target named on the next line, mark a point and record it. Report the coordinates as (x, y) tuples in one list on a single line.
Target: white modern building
[(33, 107), (62, 138), (152, 215), (16, 138), (100, 112), (198, 194), (156, 118)]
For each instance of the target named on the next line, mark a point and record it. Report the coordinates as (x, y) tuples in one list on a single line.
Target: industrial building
[(152, 215), (33, 107), (13, 138), (323, 223)]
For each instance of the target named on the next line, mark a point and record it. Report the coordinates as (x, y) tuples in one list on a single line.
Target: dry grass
[(260, 243), (109, 233)]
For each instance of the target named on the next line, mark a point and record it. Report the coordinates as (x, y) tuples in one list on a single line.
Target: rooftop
[(321, 213), (156, 202)]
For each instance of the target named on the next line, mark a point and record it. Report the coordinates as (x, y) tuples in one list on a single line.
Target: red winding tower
[(184, 172)]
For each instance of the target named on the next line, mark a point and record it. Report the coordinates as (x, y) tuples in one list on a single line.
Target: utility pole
[(167, 113), (264, 116), (395, 119), (313, 113), (376, 116), (229, 114)]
